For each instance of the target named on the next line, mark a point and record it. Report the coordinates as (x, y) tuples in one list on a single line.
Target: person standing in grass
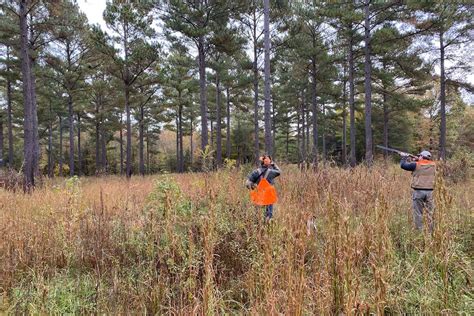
[(268, 170), (424, 171)]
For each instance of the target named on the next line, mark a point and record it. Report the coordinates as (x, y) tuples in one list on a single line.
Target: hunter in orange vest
[(260, 182), (424, 173)]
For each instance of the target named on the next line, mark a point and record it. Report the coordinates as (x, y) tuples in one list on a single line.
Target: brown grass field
[(341, 242)]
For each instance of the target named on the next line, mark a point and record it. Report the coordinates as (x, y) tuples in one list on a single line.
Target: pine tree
[(179, 86), (399, 78), (196, 20), (450, 25), (251, 18), (68, 57), (9, 39), (130, 22)]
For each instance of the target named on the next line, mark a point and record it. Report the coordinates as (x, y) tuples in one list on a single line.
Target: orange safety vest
[(264, 194), (424, 175)]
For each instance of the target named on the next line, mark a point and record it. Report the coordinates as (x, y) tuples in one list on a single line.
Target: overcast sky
[(93, 9)]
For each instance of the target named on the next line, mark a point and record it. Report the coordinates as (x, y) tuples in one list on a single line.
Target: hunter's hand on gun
[(408, 157), (405, 156)]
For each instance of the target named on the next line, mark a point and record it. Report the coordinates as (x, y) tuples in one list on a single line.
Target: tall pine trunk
[(273, 125), (126, 81), (178, 159), (227, 138), (50, 143), (103, 141), (324, 135), (287, 141), (147, 151), (50, 149), (267, 91), (368, 87), (9, 125), (9, 113), (79, 152), (218, 122), (344, 137), (344, 119), (71, 135), (103, 160), (98, 163), (211, 123), (314, 109), (36, 151), (255, 88), (180, 131), (2, 162), (239, 150), (141, 145), (442, 99), (298, 135), (303, 129), (180, 134), (129, 133), (203, 93), (308, 123), (30, 146), (60, 146), (352, 131), (121, 144), (191, 145), (71, 114), (385, 124)]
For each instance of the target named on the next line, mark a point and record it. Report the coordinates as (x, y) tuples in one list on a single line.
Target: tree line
[(309, 82)]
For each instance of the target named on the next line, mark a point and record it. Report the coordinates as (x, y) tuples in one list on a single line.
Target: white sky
[(93, 9)]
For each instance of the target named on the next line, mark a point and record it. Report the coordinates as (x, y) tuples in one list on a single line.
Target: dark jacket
[(257, 174), (408, 166)]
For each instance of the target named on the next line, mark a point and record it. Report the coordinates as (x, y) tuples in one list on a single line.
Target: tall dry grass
[(342, 241)]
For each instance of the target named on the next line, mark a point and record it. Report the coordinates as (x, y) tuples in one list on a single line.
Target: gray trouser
[(423, 200)]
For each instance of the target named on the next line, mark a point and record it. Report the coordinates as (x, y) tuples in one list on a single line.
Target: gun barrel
[(389, 149), (395, 151)]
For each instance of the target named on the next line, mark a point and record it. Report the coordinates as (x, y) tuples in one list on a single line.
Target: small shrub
[(459, 167)]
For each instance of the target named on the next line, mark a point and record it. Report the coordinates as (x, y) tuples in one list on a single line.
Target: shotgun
[(401, 153)]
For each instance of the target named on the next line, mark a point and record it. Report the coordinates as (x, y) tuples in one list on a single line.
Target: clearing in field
[(341, 241)]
